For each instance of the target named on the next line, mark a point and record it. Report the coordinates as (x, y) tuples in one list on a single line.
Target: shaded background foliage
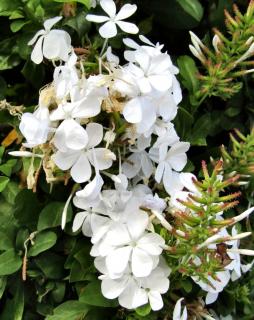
[(61, 282)]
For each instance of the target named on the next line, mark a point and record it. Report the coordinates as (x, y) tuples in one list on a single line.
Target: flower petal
[(48, 24), (211, 297), (96, 19), (155, 300), (133, 296), (37, 55), (137, 223), (65, 160), (35, 37), (95, 134), (104, 158), (108, 30), (57, 45), (177, 157), (152, 243), (81, 171), (127, 27), (109, 7), (112, 289), (132, 111), (78, 220), (118, 259), (126, 11), (141, 263)]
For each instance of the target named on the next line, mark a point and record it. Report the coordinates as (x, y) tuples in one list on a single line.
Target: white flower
[(235, 266), (66, 76), (52, 44), (88, 200), (77, 149), (35, 127), (85, 102), (132, 291), (178, 314), (156, 284), (149, 48), (139, 163), (109, 30), (217, 285), (169, 160), (152, 72), (154, 202), (135, 245)]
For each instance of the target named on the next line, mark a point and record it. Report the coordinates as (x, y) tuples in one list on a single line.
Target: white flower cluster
[(144, 94), (127, 250)]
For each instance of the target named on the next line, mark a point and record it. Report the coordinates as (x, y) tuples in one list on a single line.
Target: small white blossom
[(52, 44), (109, 30)]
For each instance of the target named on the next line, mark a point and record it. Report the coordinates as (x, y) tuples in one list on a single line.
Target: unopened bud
[(197, 53), (243, 215), (216, 42), (25, 154)]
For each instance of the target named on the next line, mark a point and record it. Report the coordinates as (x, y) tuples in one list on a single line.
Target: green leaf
[(10, 192), (19, 302), (51, 215), (58, 292), (7, 6), (1, 152), (3, 183), (3, 282), (201, 130), (10, 262), (92, 295), (188, 72), (143, 311), (87, 3), (5, 241), (17, 25), (79, 24), (27, 208), (6, 168), (69, 310), (51, 264), (42, 242), (193, 8)]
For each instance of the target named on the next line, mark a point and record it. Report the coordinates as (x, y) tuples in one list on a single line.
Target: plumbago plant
[(141, 236)]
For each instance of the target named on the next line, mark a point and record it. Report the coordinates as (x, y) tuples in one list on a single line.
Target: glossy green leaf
[(188, 72), (10, 262), (51, 264), (42, 242), (6, 168), (193, 8), (19, 302), (3, 282), (69, 310), (51, 215), (5, 241), (18, 25), (3, 183)]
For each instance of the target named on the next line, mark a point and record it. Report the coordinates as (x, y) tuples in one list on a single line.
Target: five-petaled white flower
[(52, 44), (109, 30)]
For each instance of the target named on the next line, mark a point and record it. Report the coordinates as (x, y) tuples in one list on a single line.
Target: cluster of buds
[(240, 157), (227, 60), (204, 247)]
